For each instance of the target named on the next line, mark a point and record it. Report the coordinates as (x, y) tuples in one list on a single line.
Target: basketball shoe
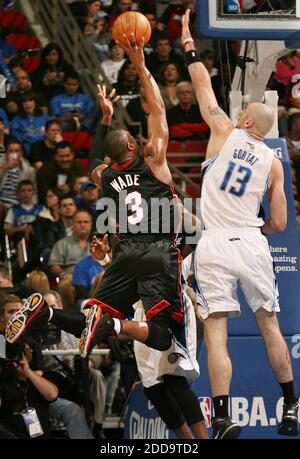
[(225, 428), (97, 327), (34, 312), (289, 423)]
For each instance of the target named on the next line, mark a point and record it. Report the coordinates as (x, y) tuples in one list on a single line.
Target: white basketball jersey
[(235, 181)]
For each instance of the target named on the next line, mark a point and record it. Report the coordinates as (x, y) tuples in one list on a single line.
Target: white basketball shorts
[(180, 359), (226, 257)]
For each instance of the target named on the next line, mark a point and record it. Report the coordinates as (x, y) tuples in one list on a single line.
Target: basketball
[(131, 22)]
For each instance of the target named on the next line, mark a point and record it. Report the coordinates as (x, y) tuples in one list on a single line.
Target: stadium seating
[(31, 63), (80, 140), (13, 20), (24, 42)]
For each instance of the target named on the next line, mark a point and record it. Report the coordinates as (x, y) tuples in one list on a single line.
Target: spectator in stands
[(13, 169), (71, 107), (163, 53), (4, 120), (97, 384), (90, 15), (294, 131), (38, 281), (62, 410), (20, 216), (101, 39), (29, 125), (67, 252), (77, 187), (54, 222), (61, 172), (170, 75), (64, 225), (84, 275), (43, 151), (149, 47), (112, 66), (7, 286), (171, 19), (286, 67), (118, 7), (208, 60), (18, 380), (4, 137), (48, 78), (127, 86), (184, 120), (89, 197), (40, 243), (85, 13), (7, 51), (13, 99)]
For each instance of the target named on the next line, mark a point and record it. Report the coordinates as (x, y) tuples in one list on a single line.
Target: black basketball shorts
[(145, 270)]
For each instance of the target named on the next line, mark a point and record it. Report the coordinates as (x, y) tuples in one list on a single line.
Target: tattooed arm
[(212, 114)]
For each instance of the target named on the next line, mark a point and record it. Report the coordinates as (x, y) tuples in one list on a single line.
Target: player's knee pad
[(187, 399), (166, 405), (159, 338)]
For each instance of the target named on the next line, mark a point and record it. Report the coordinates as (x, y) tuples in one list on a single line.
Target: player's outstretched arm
[(212, 114), (277, 201), (158, 132)]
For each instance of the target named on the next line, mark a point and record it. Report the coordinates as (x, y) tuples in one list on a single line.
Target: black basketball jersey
[(143, 204)]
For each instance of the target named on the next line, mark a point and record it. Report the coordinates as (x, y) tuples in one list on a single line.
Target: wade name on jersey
[(129, 180), (246, 156)]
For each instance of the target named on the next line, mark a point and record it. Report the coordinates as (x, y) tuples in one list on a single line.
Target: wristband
[(191, 56), (188, 40), (104, 260)]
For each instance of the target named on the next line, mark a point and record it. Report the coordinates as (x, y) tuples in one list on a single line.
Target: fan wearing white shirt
[(112, 66)]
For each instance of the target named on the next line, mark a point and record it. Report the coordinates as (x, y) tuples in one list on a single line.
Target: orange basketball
[(131, 22)]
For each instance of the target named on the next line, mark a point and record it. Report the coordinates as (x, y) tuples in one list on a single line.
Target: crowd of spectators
[(48, 203)]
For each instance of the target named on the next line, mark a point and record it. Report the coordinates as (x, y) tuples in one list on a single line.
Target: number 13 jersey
[(235, 181)]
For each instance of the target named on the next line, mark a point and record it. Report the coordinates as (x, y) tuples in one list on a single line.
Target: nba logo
[(205, 404), (233, 6)]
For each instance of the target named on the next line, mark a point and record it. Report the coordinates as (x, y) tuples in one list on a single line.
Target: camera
[(46, 336), (14, 352)]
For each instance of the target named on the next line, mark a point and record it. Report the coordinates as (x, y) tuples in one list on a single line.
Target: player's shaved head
[(119, 145), (257, 117)]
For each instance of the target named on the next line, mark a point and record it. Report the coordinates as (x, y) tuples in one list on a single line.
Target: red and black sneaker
[(35, 311), (97, 326)]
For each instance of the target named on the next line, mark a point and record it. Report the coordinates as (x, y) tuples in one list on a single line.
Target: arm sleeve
[(96, 152)]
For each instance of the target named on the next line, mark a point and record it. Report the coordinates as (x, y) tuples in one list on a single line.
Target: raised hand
[(98, 249), (186, 37), (134, 50), (106, 102)]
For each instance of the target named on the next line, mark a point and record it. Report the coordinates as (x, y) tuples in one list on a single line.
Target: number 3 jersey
[(143, 204), (235, 181)]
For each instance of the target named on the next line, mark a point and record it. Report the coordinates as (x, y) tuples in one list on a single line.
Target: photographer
[(25, 395), (63, 410)]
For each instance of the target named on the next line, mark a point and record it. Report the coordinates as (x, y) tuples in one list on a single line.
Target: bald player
[(238, 171)]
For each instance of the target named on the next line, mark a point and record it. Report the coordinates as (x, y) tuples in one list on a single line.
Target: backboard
[(230, 20)]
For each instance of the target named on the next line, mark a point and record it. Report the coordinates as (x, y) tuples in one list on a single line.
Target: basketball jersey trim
[(250, 137), (157, 308), (120, 167)]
